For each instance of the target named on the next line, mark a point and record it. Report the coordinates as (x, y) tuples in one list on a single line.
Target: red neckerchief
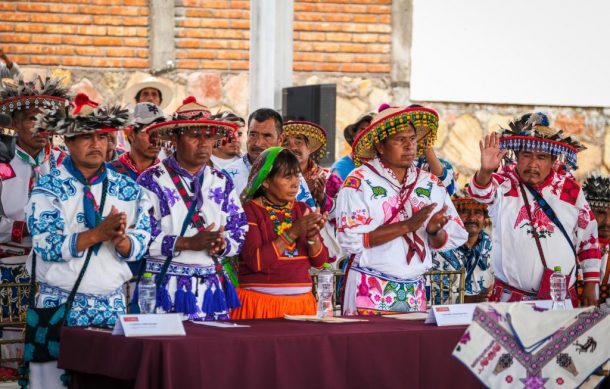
[(126, 160), (415, 242)]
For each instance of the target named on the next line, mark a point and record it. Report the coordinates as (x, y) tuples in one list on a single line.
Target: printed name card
[(168, 324), (451, 315)]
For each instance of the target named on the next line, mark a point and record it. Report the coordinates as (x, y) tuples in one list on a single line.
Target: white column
[(270, 51)]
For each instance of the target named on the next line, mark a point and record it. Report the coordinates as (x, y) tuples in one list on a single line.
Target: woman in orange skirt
[(282, 243)]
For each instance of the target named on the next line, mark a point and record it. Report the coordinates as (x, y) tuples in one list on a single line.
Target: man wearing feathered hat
[(32, 154), (228, 151), (540, 216), (390, 216), (307, 141), (86, 221), (197, 218), (597, 193), (474, 256), (144, 147)]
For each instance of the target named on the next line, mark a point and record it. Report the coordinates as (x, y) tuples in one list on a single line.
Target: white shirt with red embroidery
[(516, 260), (15, 179), (368, 200)]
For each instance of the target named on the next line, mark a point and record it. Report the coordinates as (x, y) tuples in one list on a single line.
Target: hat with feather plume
[(597, 190), (23, 95), (81, 116), (533, 133)]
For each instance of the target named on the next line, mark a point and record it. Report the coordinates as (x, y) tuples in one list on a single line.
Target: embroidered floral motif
[(465, 337), (356, 218), (509, 378), (533, 381), (352, 182)]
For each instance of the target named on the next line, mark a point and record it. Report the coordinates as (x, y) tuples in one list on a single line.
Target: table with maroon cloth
[(380, 353)]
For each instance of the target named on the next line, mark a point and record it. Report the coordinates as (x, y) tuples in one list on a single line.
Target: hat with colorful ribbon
[(191, 114), (81, 116), (597, 190), (462, 200), (260, 170), (316, 136), (533, 133), (23, 95), (389, 121)]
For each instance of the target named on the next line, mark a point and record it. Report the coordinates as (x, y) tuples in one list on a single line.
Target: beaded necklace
[(275, 211)]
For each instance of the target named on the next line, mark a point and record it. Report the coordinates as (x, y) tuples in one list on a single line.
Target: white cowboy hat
[(149, 82)]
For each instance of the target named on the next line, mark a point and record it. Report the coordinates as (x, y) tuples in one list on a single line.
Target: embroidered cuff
[(593, 253), (365, 241), (476, 185), (591, 277), (168, 245), (17, 231), (131, 248), (73, 250), (443, 175)]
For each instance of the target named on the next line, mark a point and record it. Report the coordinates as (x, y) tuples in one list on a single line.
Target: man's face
[(150, 95), (261, 136), (602, 215), (23, 122), (144, 144), (194, 147), (474, 220), (233, 148), (399, 150), (361, 127), (533, 166), (88, 150), (299, 145)]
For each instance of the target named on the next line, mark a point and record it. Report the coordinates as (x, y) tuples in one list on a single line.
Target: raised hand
[(491, 155)]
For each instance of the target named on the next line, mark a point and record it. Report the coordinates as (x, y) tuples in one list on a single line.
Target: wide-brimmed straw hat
[(149, 82), (390, 121), (316, 136)]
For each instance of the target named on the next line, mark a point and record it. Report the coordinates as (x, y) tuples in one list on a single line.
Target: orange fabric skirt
[(257, 305)]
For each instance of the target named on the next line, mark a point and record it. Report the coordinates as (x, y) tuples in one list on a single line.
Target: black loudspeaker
[(317, 104)]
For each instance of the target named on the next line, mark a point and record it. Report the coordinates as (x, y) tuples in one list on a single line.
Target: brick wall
[(347, 36), (212, 34), (79, 33)]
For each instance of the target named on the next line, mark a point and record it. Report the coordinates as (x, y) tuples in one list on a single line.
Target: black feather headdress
[(83, 116), (532, 132), (15, 96), (597, 190)]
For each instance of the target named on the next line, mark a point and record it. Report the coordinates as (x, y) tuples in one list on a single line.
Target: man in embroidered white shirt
[(530, 202)]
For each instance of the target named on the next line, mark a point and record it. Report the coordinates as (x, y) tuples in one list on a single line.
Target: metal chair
[(445, 286), (14, 304)]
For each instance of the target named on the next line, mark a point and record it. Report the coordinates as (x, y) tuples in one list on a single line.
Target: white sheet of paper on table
[(220, 324), (314, 318), (409, 316), (167, 324)]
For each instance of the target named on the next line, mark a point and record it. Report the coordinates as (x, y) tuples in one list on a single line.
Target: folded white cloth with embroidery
[(511, 344)]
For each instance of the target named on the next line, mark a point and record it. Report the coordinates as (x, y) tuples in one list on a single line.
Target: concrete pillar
[(402, 28), (270, 51), (161, 35)]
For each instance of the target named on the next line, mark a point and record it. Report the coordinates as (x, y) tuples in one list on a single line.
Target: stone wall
[(461, 125)]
